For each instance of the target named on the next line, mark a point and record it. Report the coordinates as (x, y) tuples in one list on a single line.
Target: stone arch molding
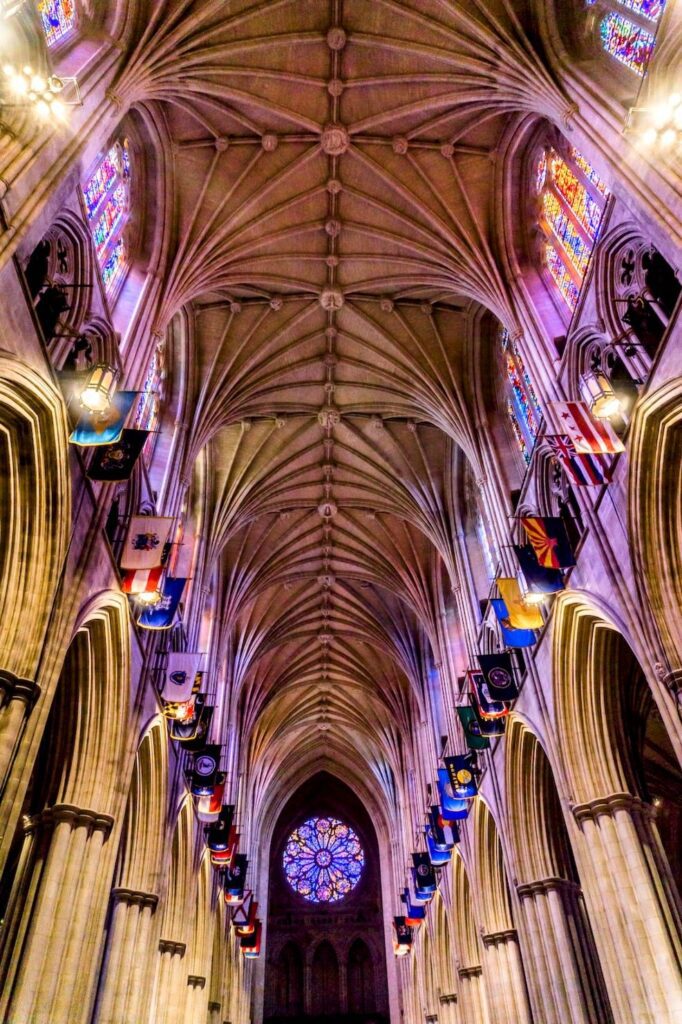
[(35, 505), (654, 512)]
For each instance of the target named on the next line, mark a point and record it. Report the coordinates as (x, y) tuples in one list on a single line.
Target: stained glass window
[(323, 860), (573, 199), (627, 42), (651, 9), (107, 203), (151, 398), (523, 407), (58, 18)]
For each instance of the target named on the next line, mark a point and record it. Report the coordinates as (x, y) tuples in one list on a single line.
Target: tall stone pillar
[(17, 697), (171, 990), (564, 982), (58, 963), (473, 1003), (448, 1008), (636, 924), (196, 1007), (507, 996), (127, 980)]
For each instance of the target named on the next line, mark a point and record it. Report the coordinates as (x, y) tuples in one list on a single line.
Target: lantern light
[(99, 388), (600, 396), (149, 598)]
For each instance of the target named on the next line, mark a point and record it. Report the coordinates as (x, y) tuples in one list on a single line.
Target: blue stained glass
[(627, 42), (323, 860), (107, 200), (115, 264), (651, 9), (58, 18)]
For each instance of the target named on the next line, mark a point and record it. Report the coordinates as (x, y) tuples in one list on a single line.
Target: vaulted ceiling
[(334, 172)]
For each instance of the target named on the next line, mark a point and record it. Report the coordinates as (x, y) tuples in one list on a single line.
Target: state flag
[(490, 727), (218, 835), (472, 731), (423, 874), (520, 614), (590, 435), (95, 429), (146, 541), (489, 705), (549, 540), (453, 807), (142, 581), (114, 463), (584, 470), (179, 675), (205, 768), (403, 932), (461, 772), (244, 916), (234, 879), (439, 858), (161, 615), (512, 637), (498, 672), (415, 912), (250, 944)]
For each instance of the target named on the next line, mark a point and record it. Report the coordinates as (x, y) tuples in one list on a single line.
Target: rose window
[(323, 860)]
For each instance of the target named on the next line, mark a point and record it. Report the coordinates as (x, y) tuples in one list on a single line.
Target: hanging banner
[(104, 428), (161, 615), (179, 675), (114, 463), (145, 542)]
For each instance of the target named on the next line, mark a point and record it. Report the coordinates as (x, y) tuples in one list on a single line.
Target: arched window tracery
[(152, 394), (107, 203), (523, 408), (58, 18), (572, 198), (629, 38)]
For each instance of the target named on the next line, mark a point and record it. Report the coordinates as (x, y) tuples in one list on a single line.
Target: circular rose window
[(323, 860)]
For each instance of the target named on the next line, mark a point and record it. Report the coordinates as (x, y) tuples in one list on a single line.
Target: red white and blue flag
[(589, 435), (584, 470)]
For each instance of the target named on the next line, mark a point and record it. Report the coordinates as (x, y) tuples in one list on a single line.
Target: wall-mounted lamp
[(657, 127), (45, 94), (149, 598), (99, 388), (599, 395)]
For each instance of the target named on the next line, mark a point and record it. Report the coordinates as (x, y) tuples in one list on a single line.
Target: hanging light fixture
[(99, 388), (31, 89), (149, 598), (599, 395)]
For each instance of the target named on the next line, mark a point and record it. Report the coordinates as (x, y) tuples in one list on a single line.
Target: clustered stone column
[(214, 1013), (197, 999), (17, 697), (474, 1008), (128, 968), (448, 1012), (65, 903), (636, 929), (171, 983), (508, 1001), (561, 975)]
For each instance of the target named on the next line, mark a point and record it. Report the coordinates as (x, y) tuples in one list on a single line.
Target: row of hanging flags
[(492, 689), (116, 449), (184, 704), (157, 557)]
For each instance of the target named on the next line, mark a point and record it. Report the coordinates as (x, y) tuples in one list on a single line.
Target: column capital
[(15, 688), (608, 805), (196, 981), (448, 997), (499, 938), (134, 896), (174, 948), (470, 972), (80, 817), (213, 1007), (545, 885)]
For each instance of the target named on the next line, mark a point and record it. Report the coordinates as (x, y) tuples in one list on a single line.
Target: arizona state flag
[(521, 615), (461, 773), (498, 672), (423, 874), (539, 579), (549, 540), (94, 429), (472, 730), (488, 704), (115, 462)]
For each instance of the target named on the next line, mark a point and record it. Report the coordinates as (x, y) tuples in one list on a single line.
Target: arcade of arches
[(341, 512)]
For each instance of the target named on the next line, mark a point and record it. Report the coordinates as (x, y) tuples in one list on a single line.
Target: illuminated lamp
[(599, 395), (99, 388)]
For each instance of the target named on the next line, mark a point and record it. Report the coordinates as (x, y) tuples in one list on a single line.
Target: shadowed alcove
[(326, 947)]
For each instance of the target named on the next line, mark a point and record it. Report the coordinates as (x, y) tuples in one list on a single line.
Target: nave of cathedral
[(341, 512)]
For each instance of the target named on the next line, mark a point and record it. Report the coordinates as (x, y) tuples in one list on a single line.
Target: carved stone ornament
[(335, 139), (331, 298), (269, 142), (335, 87), (400, 145), (327, 508), (329, 416), (333, 227), (336, 38)]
